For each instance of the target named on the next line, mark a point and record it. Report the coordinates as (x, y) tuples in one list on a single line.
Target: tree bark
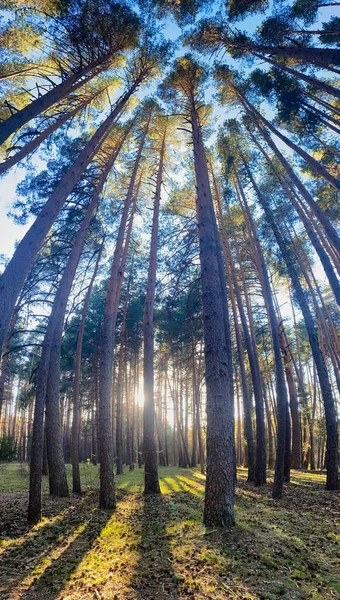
[(42, 103), (321, 85), (245, 391), (260, 453), (119, 396), (76, 484), (332, 482), (49, 375), (219, 495), (331, 232), (41, 137), (151, 482), (315, 165), (293, 399), (107, 497), (318, 56), (23, 258), (281, 392), (324, 258)]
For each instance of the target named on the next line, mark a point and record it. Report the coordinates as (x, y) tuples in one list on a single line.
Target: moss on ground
[(156, 548)]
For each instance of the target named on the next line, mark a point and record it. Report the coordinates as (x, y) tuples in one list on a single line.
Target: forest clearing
[(156, 547), (169, 299)]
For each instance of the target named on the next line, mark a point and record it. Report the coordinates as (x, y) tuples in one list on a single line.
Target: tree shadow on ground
[(24, 553), (154, 576), (13, 511), (55, 577), (155, 548), (278, 549), (187, 484), (41, 565)]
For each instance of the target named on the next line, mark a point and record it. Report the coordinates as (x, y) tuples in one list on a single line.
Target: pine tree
[(185, 82)]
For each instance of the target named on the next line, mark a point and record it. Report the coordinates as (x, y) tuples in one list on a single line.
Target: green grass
[(157, 548)]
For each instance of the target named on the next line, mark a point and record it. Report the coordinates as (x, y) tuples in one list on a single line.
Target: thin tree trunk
[(315, 165), (293, 398), (326, 390), (319, 213), (324, 258), (57, 474), (313, 81), (18, 268), (76, 485), (107, 498), (166, 419), (318, 56), (245, 391), (5, 357), (41, 137), (42, 103), (45, 457), (49, 376), (151, 482), (281, 392), (260, 454), (119, 403)]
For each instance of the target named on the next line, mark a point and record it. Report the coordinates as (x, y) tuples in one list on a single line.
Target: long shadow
[(176, 483), (24, 554), (267, 555), (189, 486), (55, 577), (30, 550), (154, 575), (13, 510), (167, 488), (26, 559)]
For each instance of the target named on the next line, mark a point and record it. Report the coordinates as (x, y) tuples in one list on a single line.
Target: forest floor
[(156, 548)]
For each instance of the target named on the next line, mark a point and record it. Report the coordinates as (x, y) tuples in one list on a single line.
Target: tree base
[(34, 515), (223, 518), (152, 490), (107, 503)]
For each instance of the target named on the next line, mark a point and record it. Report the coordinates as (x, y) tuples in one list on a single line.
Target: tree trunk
[(260, 454), (41, 137), (293, 400), (119, 397), (326, 390), (319, 213), (49, 376), (76, 485), (166, 448), (119, 411), (219, 494), (315, 165), (324, 258), (57, 475), (321, 85), (318, 56), (281, 392), (23, 258), (42, 103), (245, 391), (5, 357), (151, 482), (107, 498), (45, 457)]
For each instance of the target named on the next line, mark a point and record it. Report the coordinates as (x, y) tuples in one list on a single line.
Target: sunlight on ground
[(156, 547)]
